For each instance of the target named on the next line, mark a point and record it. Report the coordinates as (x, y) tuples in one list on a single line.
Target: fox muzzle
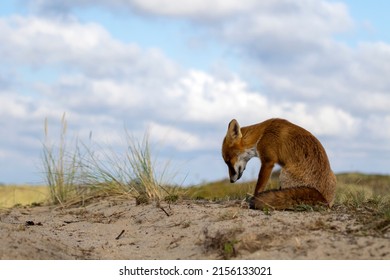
[(235, 175)]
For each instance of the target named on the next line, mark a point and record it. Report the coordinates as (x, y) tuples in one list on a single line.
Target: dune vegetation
[(75, 173), (89, 192)]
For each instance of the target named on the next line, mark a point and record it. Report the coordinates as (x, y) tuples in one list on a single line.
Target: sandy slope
[(186, 230)]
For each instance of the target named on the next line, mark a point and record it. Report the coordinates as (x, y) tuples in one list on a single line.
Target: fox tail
[(287, 198)]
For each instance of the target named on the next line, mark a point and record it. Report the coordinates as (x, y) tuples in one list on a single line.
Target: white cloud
[(278, 29), (173, 137), (286, 28), (374, 102), (378, 127), (207, 99), (69, 44), (84, 94), (301, 72), (195, 9), (40, 41), (14, 106), (204, 98), (336, 122)]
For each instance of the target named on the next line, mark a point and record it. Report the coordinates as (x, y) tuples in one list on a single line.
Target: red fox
[(306, 176)]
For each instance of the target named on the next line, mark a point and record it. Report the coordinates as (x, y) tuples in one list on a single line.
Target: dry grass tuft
[(60, 166), (78, 173)]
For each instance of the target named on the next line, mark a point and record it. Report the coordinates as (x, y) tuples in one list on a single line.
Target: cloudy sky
[(183, 69)]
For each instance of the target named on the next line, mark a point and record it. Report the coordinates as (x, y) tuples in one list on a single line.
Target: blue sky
[(182, 70)]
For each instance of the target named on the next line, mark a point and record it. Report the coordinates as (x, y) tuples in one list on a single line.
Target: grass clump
[(145, 184), (74, 174), (60, 166)]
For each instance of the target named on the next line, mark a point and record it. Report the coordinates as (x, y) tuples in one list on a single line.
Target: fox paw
[(251, 203)]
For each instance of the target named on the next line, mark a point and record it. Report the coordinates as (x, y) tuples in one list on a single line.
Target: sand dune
[(113, 228)]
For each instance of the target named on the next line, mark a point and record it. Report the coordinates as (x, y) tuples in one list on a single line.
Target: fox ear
[(234, 131)]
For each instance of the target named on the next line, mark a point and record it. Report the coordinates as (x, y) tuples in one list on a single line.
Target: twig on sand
[(164, 211), (120, 234)]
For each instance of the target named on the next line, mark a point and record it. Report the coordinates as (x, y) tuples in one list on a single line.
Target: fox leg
[(264, 174)]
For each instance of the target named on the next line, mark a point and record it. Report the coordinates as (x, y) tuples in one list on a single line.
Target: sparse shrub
[(60, 167), (80, 171)]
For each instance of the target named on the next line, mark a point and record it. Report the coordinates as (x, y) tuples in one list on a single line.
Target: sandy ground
[(118, 229)]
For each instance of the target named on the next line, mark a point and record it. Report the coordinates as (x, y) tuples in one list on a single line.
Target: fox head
[(233, 152)]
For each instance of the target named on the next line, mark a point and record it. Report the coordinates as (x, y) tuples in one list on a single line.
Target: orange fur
[(306, 176)]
